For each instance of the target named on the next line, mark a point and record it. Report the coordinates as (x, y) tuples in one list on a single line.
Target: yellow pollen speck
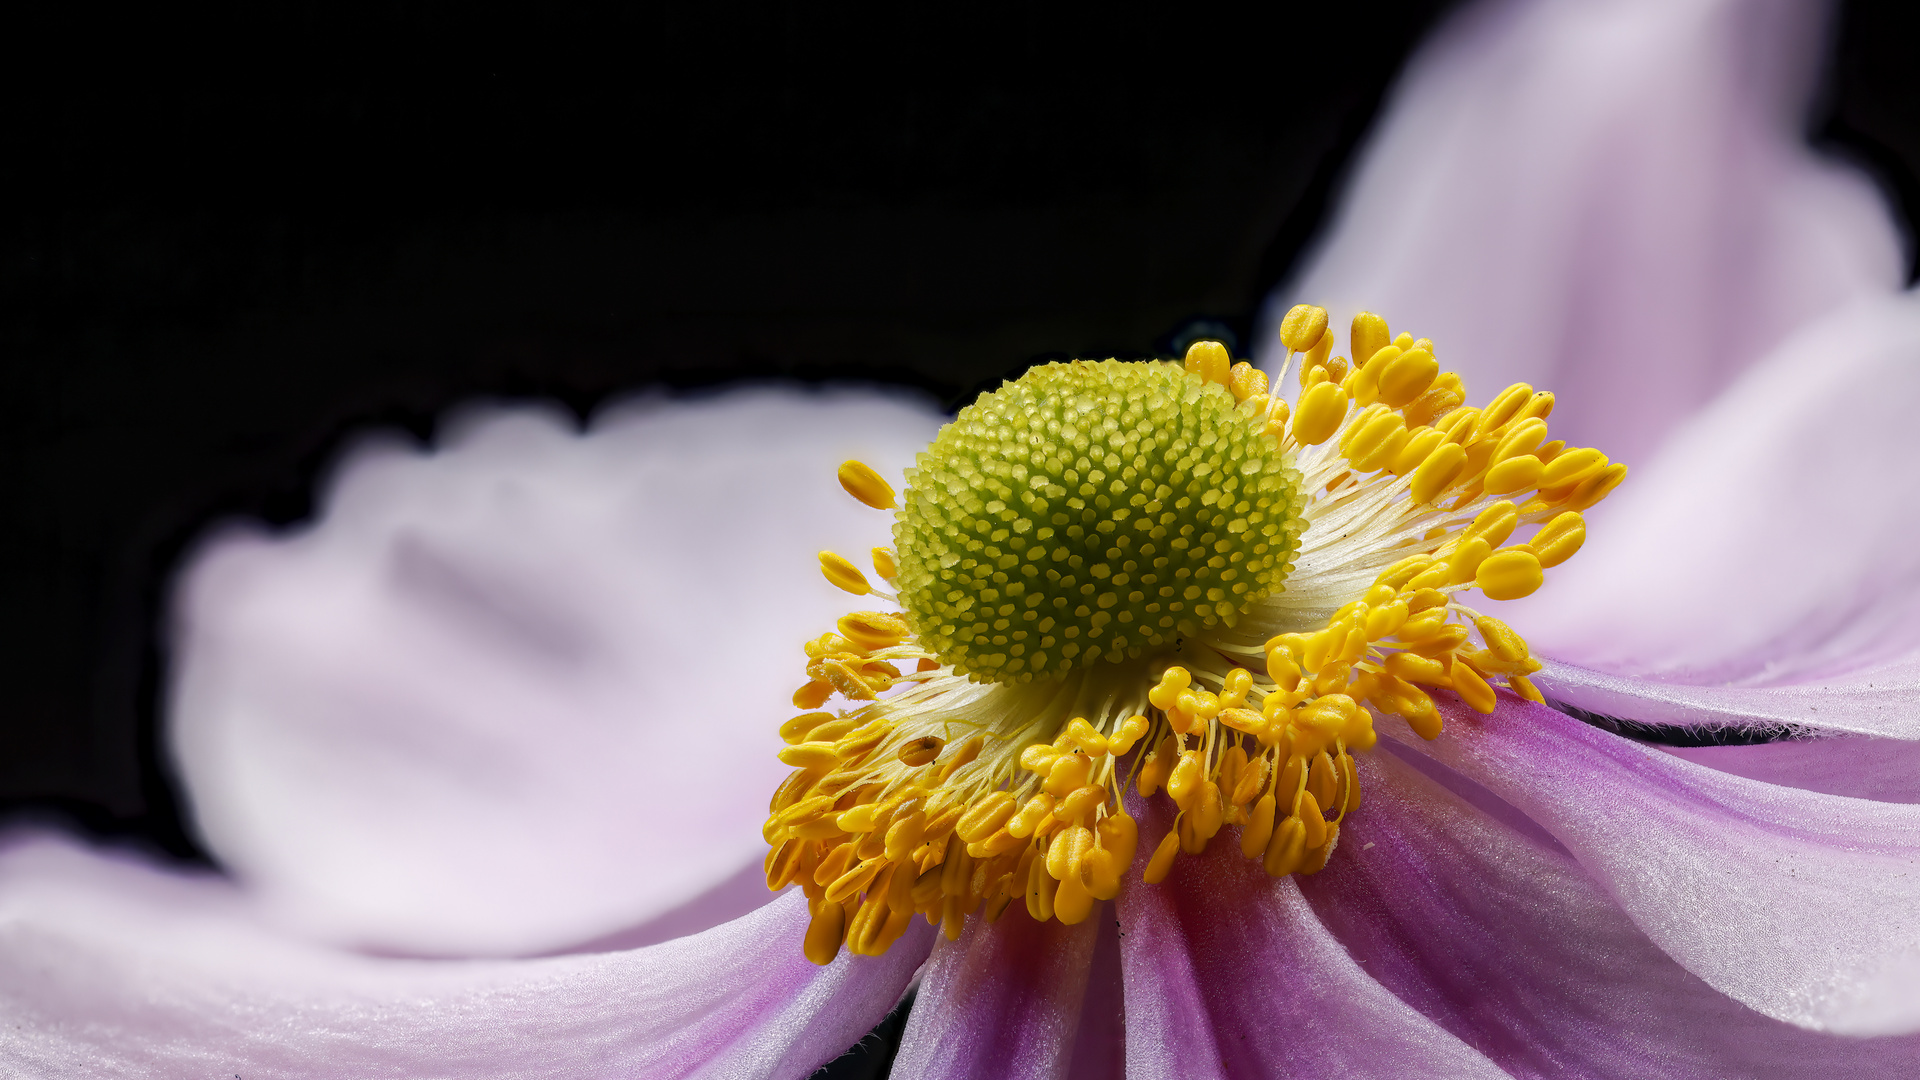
[(1150, 516)]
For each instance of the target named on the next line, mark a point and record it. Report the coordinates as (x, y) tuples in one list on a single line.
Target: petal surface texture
[(1001, 1003), (1510, 945), (1797, 903), (1599, 197), (520, 692), (109, 968), (1229, 973), (1770, 548)]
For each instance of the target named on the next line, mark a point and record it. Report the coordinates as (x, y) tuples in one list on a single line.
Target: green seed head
[(1091, 511)]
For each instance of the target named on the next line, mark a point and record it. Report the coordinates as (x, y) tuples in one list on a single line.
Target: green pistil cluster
[(1091, 511)]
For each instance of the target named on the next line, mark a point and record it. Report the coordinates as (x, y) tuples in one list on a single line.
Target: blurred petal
[(109, 968), (1001, 1003), (1610, 199), (1773, 543), (521, 691), (1230, 973), (1509, 945), (1797, 903)]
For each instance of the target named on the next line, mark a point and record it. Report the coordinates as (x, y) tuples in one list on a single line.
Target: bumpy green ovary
[(1091, 511)]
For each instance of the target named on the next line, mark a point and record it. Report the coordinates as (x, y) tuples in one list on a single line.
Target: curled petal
[(1510, 945), (1798, 904), (512, 695), (108, 967)]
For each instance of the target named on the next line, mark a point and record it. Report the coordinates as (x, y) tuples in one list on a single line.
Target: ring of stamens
[(940, 795)]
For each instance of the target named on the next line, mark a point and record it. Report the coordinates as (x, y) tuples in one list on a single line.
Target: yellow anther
[(1538, 406), (855, 879), (1030, 815), (1421, 442), (1083, 736), (1495, 523), (1572, 467), (1283, 670), (1522, 437), (1159, 766), (884, 564), (1039, 757), (1466, 559), (1277, 413), (1321, 409), (905, 834), (873, 630), (1066, 851), (1162, 861), (1386, 620), (922, 750), (1471, 687), (1501, 409), (1246, 381), (1130, 732), (982, 818), (1184, 784), (1395, 577), (1523, 686), (1406, 377), (1559, 539), (866, 485), (1307, 809), (1416, 669), (1438, 472), (1335, 369), (1069, 772), (796, 729), (1501, 639), (1311, 377), (1596, 487), (844, 574), (1119, 834), (1303, 327), (1514, 474), (1208, 811), (1432, 405), (1234, 693), (810, 755), (1209, 360), (1444, 640), (1285, 848), (1244, 720), (1509, 575), (1172, 681), (825, 931), (1404, 340), (812, 695), (1081, 802), (1375, 444), (1425, 599), (1369, 334), (1317, 356), (1322, 779)]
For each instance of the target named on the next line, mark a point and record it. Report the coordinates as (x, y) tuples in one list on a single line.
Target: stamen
[(1159, 575)]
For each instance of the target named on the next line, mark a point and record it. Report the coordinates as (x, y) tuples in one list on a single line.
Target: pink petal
[(1772, 545), (1509, 945), (1884, 770), (1880, 700), (1606, 198), (522, 691), (1798, 904), (1229, 973), (110, 968), (1001, 1003)]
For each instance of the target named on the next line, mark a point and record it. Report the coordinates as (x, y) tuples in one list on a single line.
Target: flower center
[(1148, 517), (1091, 511)]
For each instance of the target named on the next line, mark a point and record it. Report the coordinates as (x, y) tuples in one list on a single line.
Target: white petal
[(1772, 545), (111, 969), (522, 691), (1609, 199)]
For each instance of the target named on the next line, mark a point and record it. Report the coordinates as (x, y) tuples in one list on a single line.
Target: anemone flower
[(486, 747)]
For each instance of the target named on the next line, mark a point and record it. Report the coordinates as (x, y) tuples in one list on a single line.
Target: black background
[(232, 235)]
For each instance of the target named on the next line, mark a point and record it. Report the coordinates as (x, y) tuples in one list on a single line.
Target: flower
[(1103, 555), (1528, 894)]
